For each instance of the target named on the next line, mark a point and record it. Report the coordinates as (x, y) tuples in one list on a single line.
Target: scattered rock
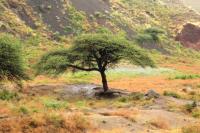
[(152, 94)]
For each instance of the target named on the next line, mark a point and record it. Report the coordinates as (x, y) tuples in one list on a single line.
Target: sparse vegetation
[(76, 21), (7, 95), (185, 77), (171, 94), (54, 104), (23, 110), (73, 35), (191, 129), (190, 107)]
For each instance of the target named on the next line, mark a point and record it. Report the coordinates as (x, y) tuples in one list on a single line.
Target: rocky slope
[(52, 18)]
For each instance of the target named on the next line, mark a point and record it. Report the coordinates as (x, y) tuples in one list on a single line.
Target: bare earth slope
[(190, 36)]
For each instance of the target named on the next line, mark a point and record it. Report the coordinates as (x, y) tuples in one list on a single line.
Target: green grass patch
[(81, 104), (8, 95), (54, 104), (171, 94), (117, 73), (135, 72), (186, 76)]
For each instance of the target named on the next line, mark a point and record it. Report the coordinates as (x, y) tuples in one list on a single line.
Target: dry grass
[(117, 130), (51, 123), (129, 114), (191, 128), (160, 123)]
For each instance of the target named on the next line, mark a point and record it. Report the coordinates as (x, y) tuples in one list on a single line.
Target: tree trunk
[(104, 81)]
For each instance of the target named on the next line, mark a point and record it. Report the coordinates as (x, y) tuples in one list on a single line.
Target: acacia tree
[(11, 62), (93, 52)]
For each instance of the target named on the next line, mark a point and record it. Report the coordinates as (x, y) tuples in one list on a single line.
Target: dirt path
[(145, 121)]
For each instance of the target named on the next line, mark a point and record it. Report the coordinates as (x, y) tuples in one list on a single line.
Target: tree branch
[(84, 69), (105, 64)]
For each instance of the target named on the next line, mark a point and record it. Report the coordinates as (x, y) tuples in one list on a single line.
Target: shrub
[(11, 62), (7, 95), (123, 99), (196, 113), (171, 94), (190, 107), (150, 35), (23, 110), (137, 96)]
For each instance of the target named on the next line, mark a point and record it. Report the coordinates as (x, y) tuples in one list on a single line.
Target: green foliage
[(123, 99), (23, 110), (93, 52), (91, 49), (190, 107), (7, 95), (11, 62), (54, 104), (150, 35), (185, 77), (196, 113), (33, 40), (103, 30), (137, 96), (171, 94)]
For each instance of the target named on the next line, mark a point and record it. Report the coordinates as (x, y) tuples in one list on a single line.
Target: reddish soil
[(159, 84), (190, 36)]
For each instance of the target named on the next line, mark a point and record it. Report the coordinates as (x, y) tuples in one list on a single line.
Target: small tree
[(11, 63), (93, 52)]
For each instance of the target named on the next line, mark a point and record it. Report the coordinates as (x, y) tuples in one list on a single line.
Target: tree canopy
[(93, 52), (11, 62)]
